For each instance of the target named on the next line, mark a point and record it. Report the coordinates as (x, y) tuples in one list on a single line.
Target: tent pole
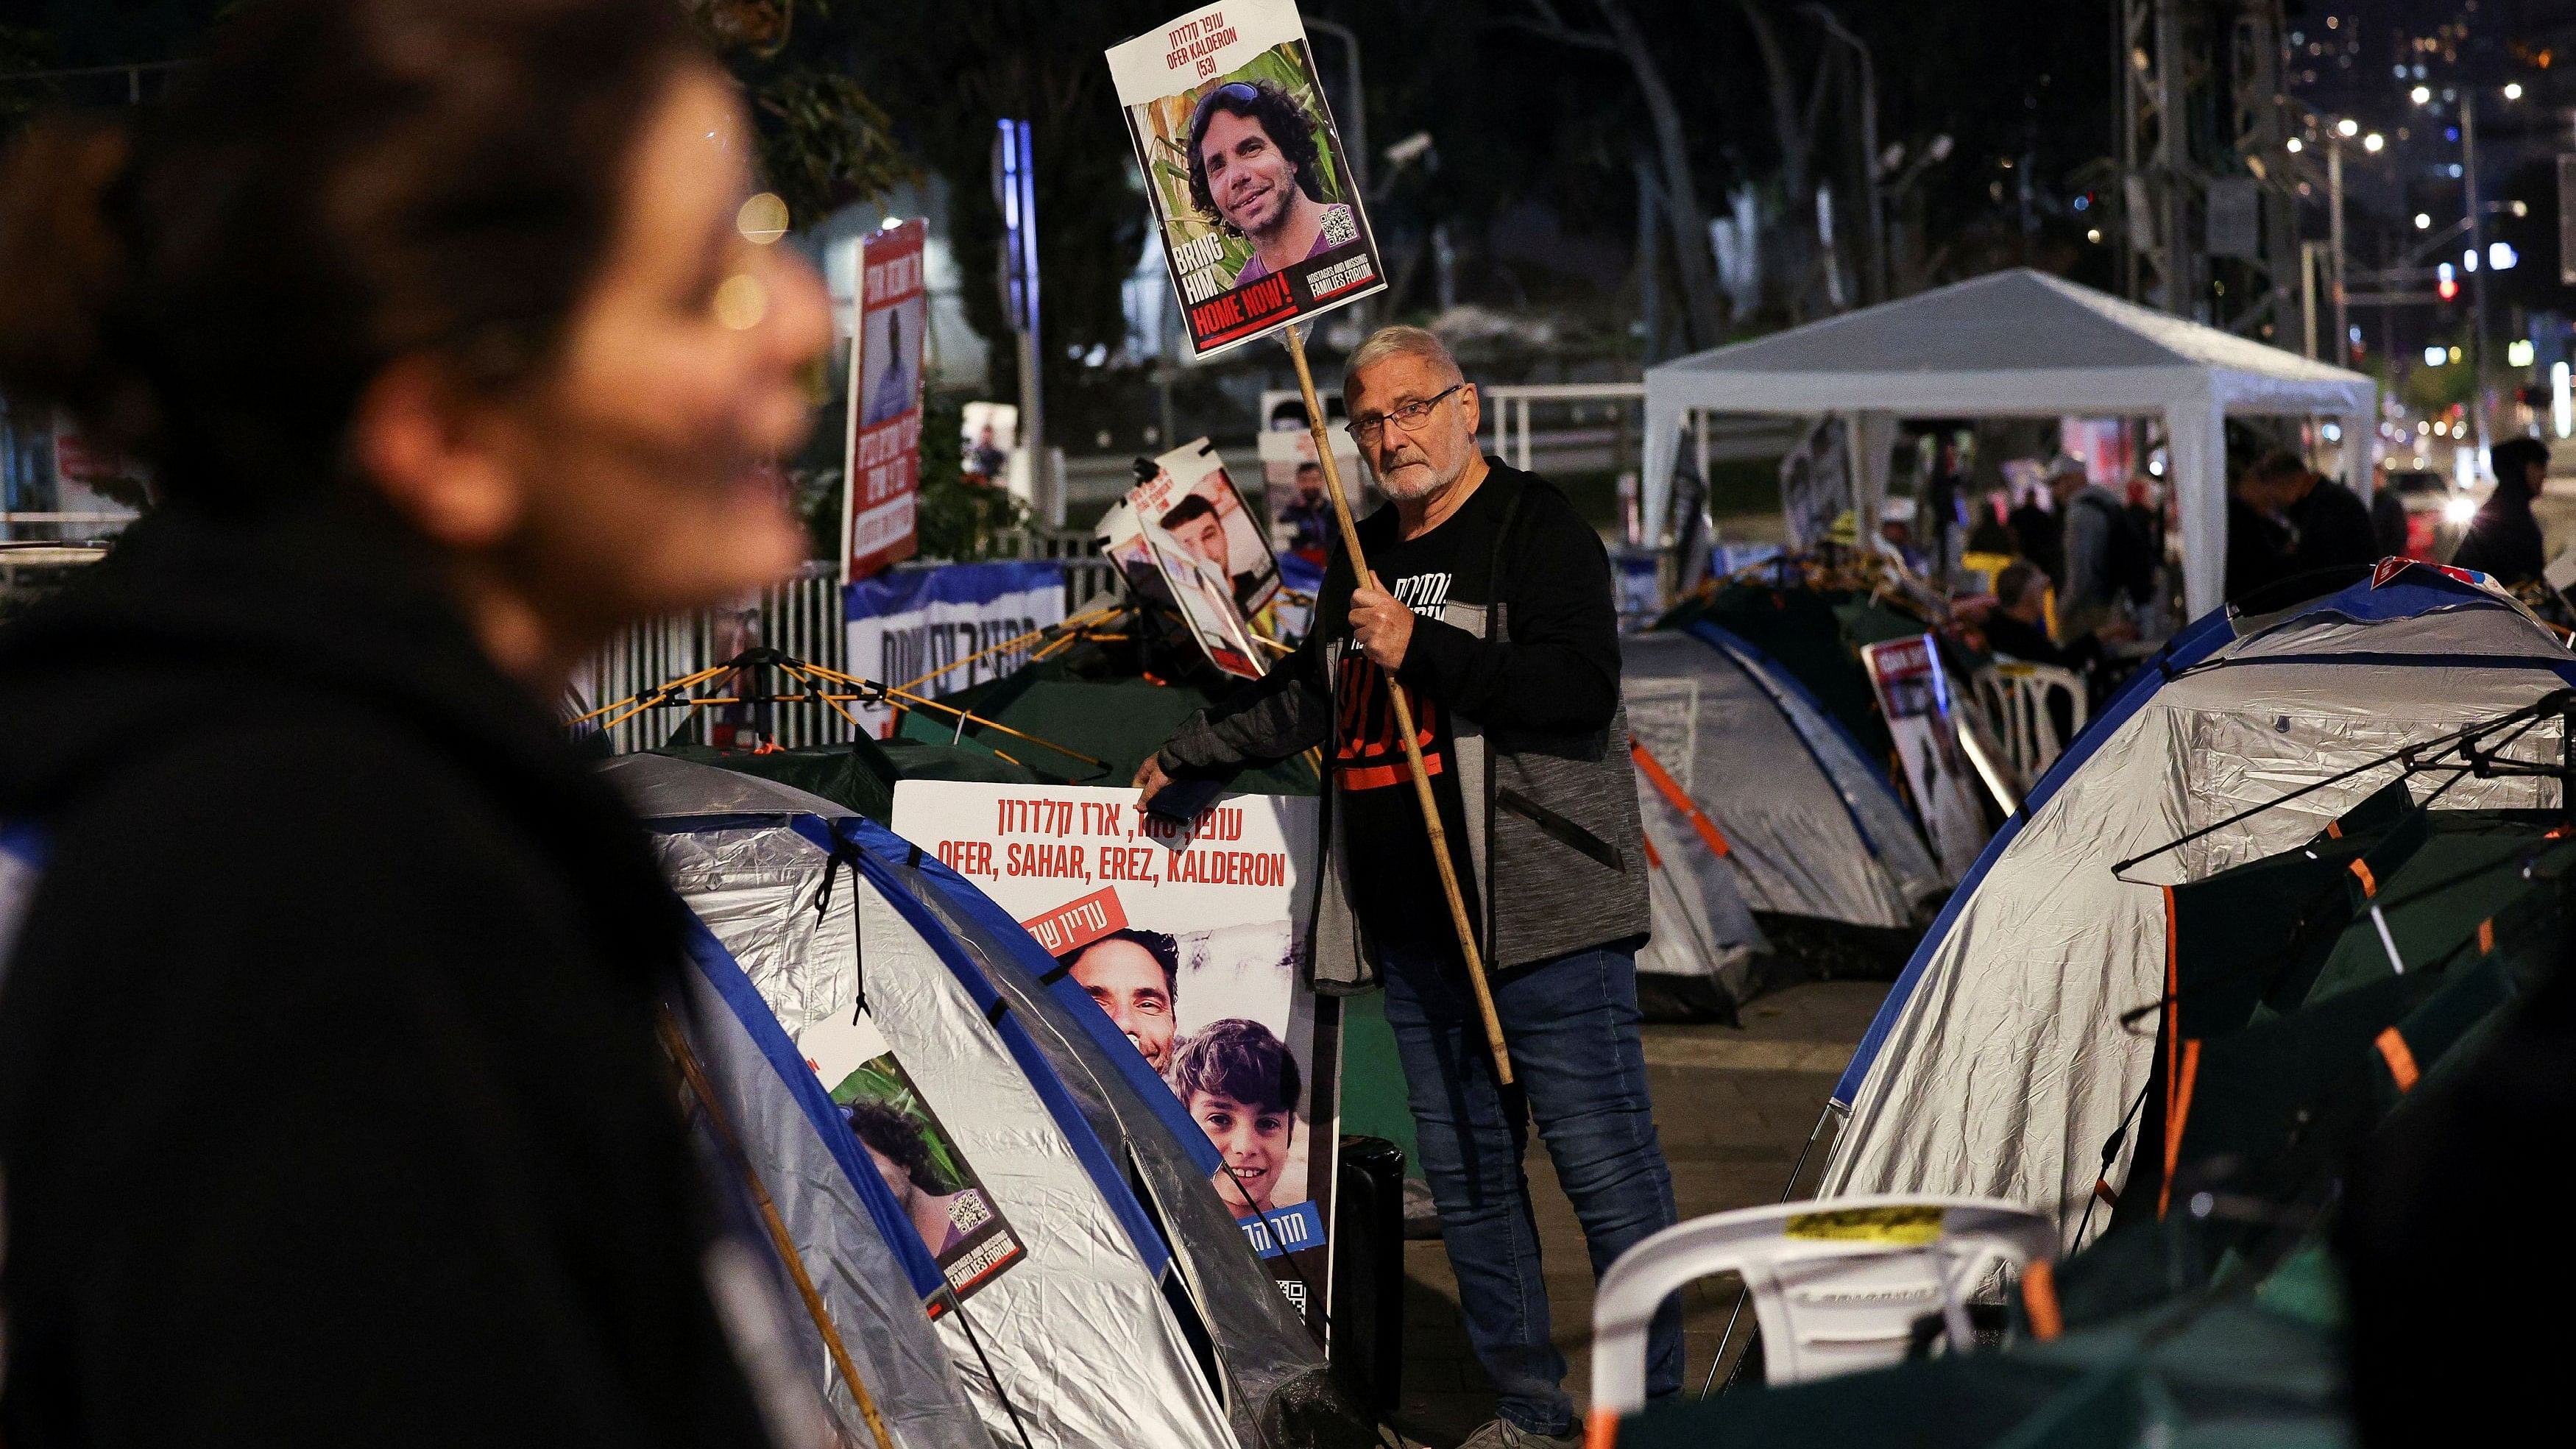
[(1796, 1169), (1466, 929), (687, 1060)]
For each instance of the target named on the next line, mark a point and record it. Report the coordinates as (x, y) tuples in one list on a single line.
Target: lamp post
[(2478, 271), (2334, 235)]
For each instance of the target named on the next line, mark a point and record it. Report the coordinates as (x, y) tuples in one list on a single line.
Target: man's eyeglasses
[(1409, 417)]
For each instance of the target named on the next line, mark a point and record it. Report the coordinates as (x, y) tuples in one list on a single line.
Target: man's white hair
[(1392, 342)]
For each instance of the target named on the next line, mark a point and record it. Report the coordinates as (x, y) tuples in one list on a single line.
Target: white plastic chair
[(1837, 1285), (2016, 697)]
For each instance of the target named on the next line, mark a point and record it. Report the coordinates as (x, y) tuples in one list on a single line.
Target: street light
[(2513, 90), (2420, 94), (2295, 145), (2348, 126), (2372, 142), (2423, 222)]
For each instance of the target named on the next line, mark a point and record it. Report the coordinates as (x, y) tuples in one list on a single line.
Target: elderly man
[(1490, 603)]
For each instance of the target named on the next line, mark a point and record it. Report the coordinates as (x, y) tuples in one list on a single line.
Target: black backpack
[(2134, 558)]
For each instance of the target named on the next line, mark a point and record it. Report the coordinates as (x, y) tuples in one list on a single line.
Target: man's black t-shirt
[(1561, 661), (1394, 884)]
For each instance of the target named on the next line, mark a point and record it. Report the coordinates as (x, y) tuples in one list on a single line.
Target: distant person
[(985, 460), (2504, 538), (1196, 523), (332, 1109), (1898, 535), (2097, 546), (2018, 625), (2329, 527), (1238, 1082), (1309, 516), (2017, 628), (2258, 545), (901, 1151), (1135, 977), (2038, 533), (2387, 516), (1991, 534), (1256, 170)]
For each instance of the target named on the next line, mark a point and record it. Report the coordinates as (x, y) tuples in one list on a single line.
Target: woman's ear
[(433, 450)]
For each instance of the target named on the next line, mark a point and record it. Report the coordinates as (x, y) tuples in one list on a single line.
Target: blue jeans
[(1571, 1024)]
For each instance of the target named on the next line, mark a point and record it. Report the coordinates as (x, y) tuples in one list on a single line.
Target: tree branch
[(1551, 26)]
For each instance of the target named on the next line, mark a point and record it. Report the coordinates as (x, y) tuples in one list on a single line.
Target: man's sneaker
[(1504, 1434)]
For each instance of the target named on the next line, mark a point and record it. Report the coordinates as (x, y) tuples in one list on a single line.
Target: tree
[(947, 74), (823, 142), (1623, 37)]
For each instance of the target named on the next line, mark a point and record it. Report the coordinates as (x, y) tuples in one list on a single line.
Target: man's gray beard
[(1416, 493)]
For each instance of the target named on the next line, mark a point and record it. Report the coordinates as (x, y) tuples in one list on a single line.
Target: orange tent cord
[(1671, 789)]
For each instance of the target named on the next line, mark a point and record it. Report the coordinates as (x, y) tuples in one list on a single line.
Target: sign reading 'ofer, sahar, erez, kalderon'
[(1260, 213)]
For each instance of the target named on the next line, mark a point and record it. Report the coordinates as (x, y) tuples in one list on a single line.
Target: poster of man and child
[(1191, 942)]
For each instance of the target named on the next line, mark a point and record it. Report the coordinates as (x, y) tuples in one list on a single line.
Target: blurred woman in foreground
[(330, 1109)]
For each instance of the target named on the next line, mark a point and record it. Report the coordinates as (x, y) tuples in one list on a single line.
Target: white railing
[(801, 618)]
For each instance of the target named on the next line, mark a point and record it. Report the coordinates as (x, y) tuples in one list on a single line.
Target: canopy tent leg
[(1788, 1189), (2196, 449)]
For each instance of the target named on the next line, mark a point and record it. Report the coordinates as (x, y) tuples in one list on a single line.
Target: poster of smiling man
[(1261, 218)]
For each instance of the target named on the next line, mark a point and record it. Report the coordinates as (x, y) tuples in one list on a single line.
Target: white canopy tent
[(2018, 344)]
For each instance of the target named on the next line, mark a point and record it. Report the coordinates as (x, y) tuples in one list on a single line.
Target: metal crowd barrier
[(802, 618)]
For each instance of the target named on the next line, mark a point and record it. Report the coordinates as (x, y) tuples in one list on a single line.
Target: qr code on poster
[(1340, 227), (968, 1212)]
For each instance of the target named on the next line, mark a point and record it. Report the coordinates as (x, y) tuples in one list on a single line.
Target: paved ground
[(1733, 1107)]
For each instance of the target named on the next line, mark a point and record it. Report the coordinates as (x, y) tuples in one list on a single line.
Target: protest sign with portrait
[(920, 1160), (1191, 498), (1189, 935), (1261, 217), (1160, 570), (881, 451)]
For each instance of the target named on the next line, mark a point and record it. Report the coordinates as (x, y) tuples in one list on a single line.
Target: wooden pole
[(687, 1060), (1465, 928)]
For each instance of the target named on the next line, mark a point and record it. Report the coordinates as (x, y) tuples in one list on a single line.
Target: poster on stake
[(1189, 935), (1914, 694), (881, 450), (1191, 498), (1260, 216), (1160, 568)]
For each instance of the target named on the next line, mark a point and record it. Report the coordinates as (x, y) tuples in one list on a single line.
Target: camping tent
[(1999, 1064), (2313, 990), (1811, 828), (2017, 344), (1137, 1314)]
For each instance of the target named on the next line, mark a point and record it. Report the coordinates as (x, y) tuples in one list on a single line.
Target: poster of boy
[(1261, 222), (1186, 935), (1192, 498)]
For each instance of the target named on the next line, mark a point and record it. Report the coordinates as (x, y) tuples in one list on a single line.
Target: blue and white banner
[(908, 622)]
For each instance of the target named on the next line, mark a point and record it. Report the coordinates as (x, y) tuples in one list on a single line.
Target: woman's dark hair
[(899, 1138), (1286, 122), (1241, 1059), (212, 285)]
